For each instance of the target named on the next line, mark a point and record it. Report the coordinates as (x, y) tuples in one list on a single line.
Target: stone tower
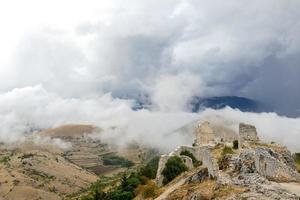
[(247, 133), (204, 134)]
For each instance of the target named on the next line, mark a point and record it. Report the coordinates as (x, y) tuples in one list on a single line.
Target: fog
[(88, 61)]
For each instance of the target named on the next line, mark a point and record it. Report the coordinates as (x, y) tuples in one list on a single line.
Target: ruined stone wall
[(187, 161), (209, 162), (196, 151), (161, 165), (247, 133)]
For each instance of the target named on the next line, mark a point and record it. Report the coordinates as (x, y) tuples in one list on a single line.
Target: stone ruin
[(204, 135), (277, 166), (205, 139), (247, 134), (196, 151)]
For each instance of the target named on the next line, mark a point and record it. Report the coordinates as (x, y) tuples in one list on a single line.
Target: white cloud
[(173, 92), (63, 61)]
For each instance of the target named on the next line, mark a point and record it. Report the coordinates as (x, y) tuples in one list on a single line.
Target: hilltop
[(232, 168)]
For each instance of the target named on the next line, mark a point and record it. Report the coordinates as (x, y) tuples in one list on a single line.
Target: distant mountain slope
[(197, 103)]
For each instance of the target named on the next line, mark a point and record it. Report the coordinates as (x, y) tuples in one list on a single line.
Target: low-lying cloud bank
[(33, 108)]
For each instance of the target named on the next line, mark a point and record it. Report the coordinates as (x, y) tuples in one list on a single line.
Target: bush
[(147, 191), (117, 161), (297, 158), (297, 161), (173, 168), (150, 169), (4, 159), (235, 144), (196, 162), (120, 195), (227, 150)]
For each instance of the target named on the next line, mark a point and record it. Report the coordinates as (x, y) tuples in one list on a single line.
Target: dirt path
[(291, 187), (171, 188)]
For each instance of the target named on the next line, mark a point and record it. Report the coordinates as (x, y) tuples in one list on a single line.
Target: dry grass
[(207, 190), (275, 147), (70, 130)]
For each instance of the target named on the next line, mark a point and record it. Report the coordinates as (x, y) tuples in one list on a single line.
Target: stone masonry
[(247, 133), (204, 135)]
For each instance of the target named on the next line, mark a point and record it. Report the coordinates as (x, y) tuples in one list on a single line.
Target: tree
[(235, 144), (150, 169), (173, 168)]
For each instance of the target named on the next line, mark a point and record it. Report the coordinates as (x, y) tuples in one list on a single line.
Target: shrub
[(173, 168), (4, 159), (147, 191), (196, 162), (235, 144), (297, 158), (297, 161), (116, 160), (227, 150), (150, 169), (120, 195)]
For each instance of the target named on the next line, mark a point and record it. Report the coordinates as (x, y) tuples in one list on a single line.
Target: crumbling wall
[(187, 161), (209, 162), (196, 151), (161, 165), (247, 133)]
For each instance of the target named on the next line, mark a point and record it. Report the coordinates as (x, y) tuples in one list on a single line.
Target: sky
[(70, 61)]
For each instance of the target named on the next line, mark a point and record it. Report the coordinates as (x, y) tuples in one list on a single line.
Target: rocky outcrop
[(270, 164), (201, 175)]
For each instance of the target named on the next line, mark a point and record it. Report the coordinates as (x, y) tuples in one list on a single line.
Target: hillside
[(68, 162), (59, 162)]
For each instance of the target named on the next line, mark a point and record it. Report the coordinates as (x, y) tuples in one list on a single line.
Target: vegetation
[(196, 162), (150, 169), (174, 167), (4, 159), (39, 175), (116, 161), (221, 161), (149, 190), (26, 155), (297, 161), (125, 190), (235, 144)]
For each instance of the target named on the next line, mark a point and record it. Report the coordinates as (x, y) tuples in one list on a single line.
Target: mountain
[(241, 103), (198, 103)]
